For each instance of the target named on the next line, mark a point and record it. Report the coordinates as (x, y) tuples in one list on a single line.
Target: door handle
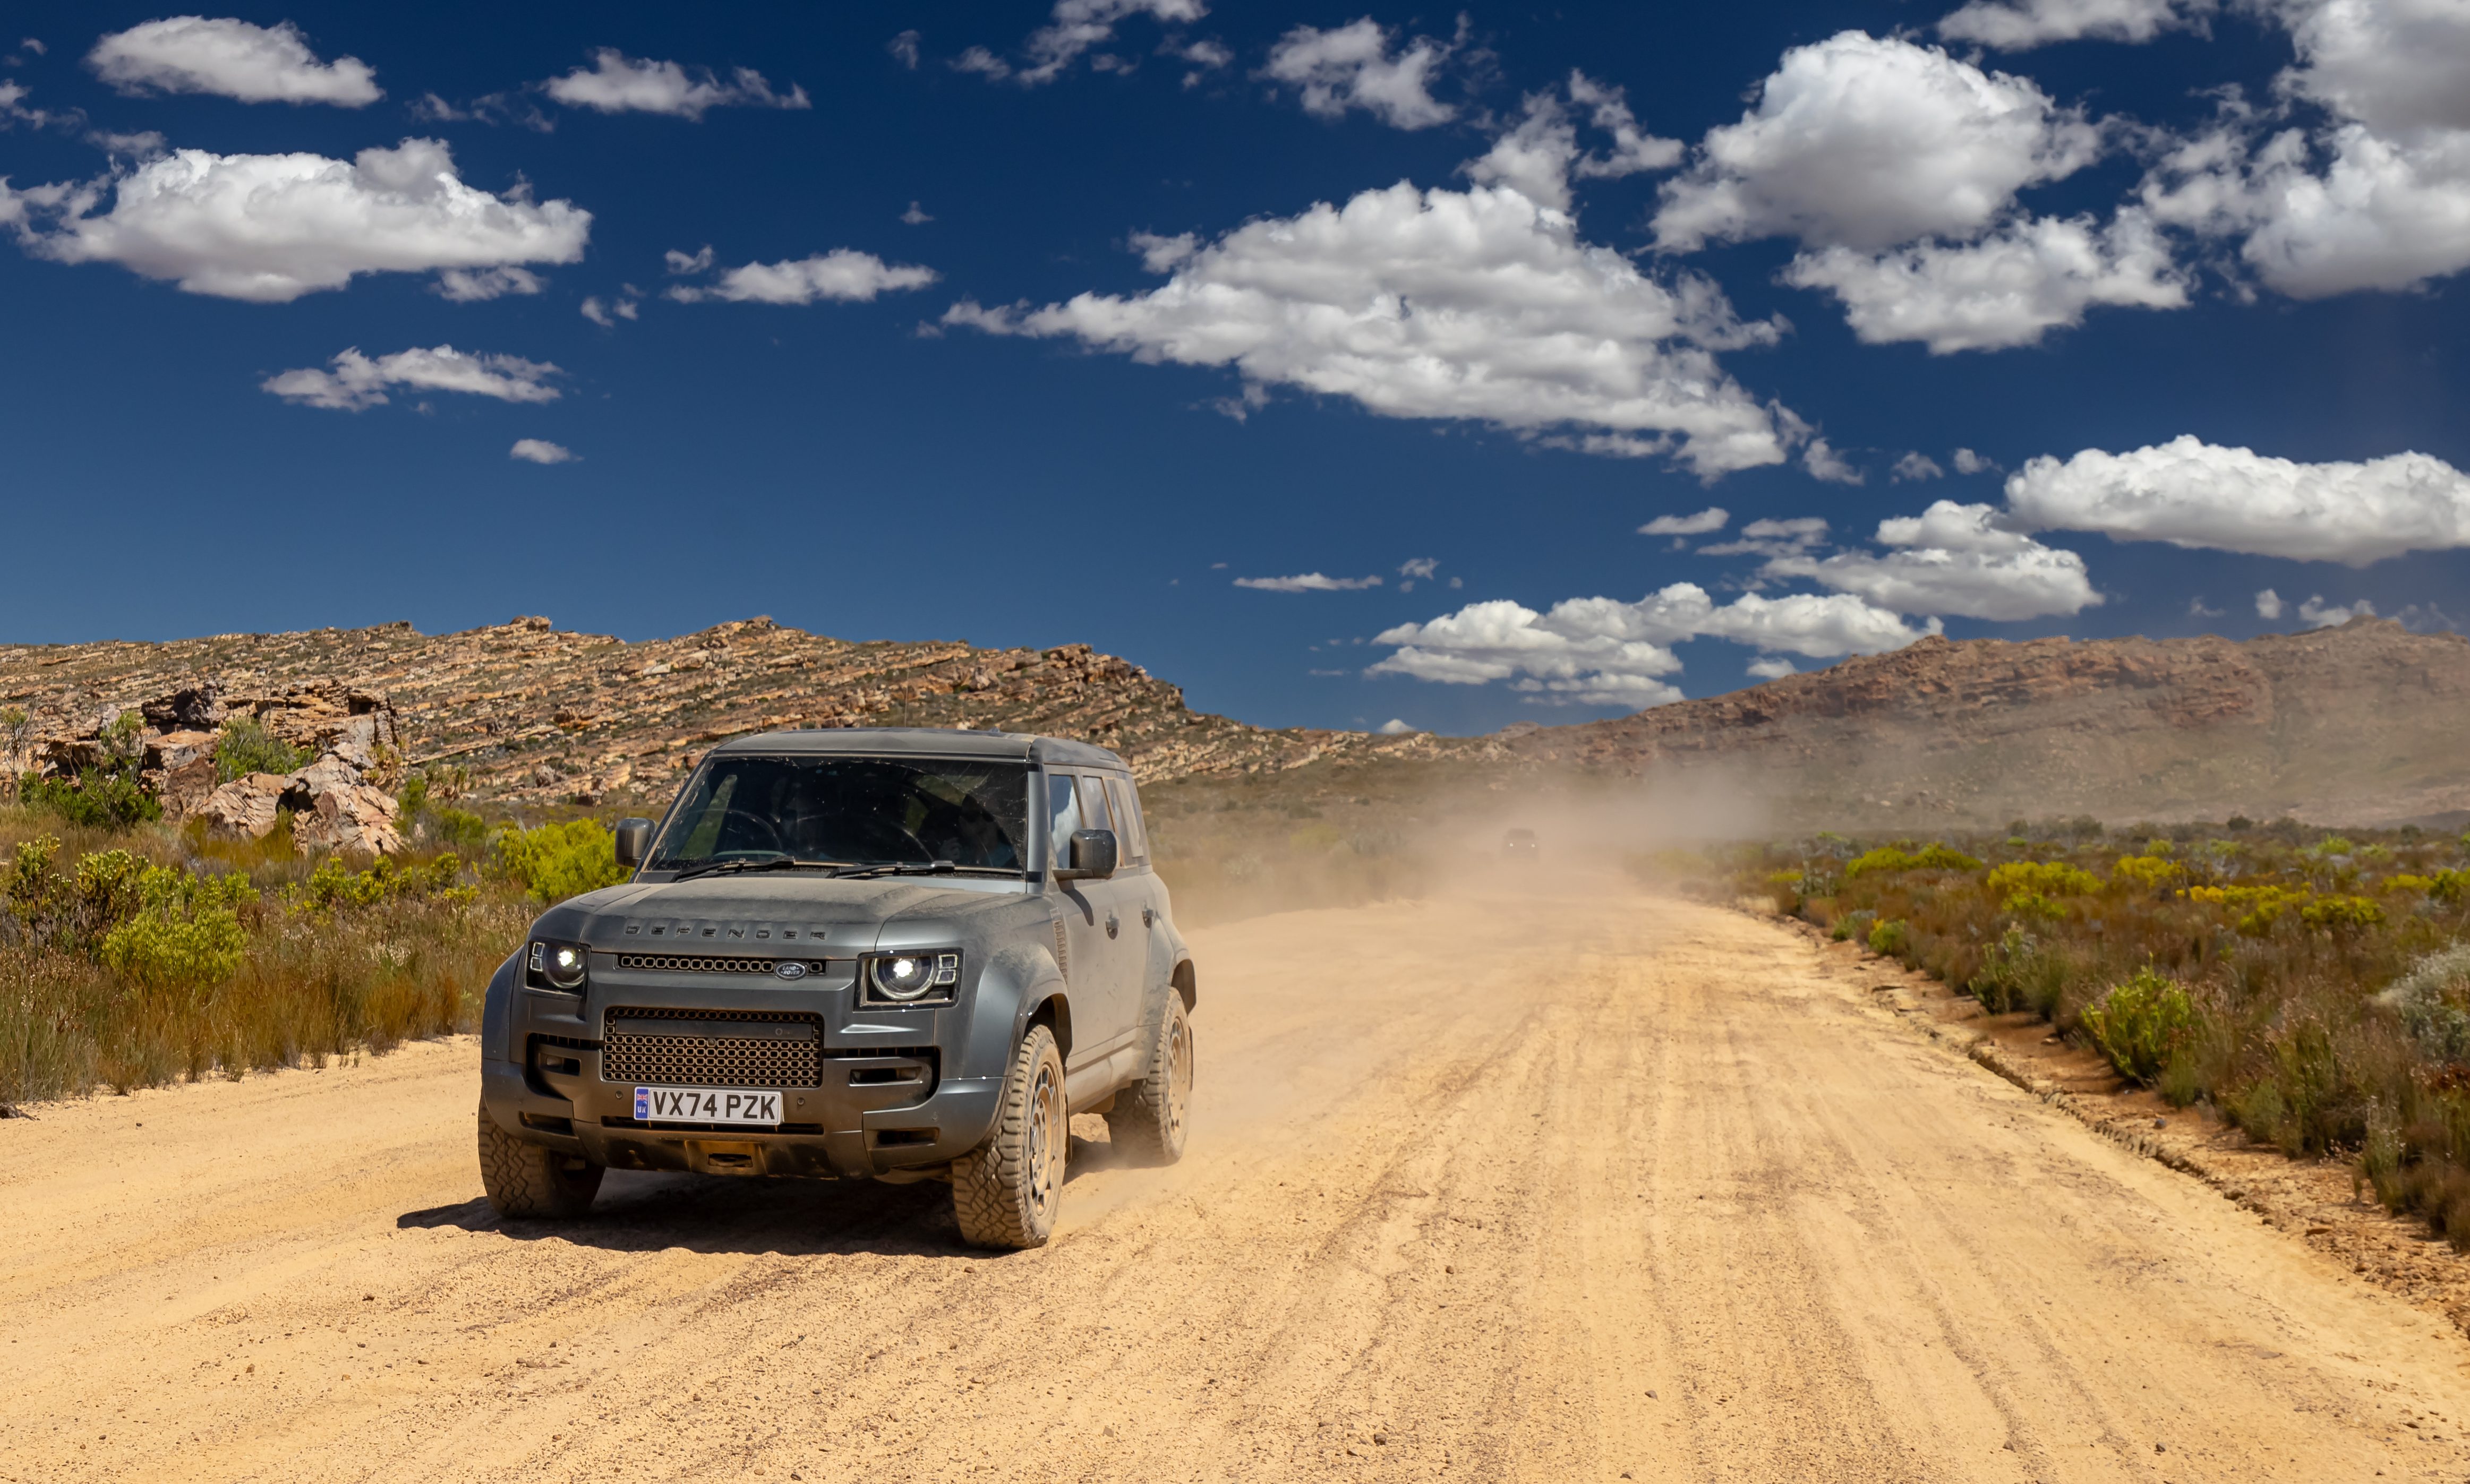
[(1149, 917), (1112, 926)]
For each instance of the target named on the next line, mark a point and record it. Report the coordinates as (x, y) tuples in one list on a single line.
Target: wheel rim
[(1045, 1138), (1178, 1075)]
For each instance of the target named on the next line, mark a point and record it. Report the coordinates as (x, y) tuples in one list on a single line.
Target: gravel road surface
[(1568, 1185)]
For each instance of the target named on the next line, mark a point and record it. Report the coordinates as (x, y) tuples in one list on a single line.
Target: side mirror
[(1093, 856), (634, 838)]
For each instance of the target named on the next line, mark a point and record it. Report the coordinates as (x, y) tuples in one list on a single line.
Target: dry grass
[(318, 977), (2246, 970)]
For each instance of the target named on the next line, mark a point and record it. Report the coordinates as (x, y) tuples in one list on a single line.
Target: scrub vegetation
[(2311, 988), (134, 953)]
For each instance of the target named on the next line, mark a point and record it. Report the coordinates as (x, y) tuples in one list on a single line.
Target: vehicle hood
[(775, 913)]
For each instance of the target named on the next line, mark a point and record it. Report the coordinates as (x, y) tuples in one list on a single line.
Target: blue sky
[(1056, 339)]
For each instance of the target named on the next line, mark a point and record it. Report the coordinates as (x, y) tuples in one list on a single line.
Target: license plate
[(706, 1105)]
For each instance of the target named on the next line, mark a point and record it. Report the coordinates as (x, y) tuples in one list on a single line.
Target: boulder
[(355, 818), (333, 808), (185, 789), (245, 808)]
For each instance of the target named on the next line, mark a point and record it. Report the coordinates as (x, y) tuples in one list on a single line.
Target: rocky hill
[(529, 713), (2365, 723)]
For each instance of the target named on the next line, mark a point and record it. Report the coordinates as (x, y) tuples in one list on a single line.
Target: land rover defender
[(887, 954)]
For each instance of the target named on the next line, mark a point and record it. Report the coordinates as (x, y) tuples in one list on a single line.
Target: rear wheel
[(1147, 1121), (1005, 1191), (524, 1179)]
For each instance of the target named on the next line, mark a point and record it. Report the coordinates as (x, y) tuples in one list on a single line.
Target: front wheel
[(1147, 1120), (1005, 1191), (524, 1179)]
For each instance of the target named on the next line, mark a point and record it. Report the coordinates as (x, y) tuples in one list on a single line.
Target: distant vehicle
[(889, 954), (1519, 845)]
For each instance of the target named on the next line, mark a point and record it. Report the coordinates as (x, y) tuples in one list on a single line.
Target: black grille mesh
[(703, 964), (639, 1052)]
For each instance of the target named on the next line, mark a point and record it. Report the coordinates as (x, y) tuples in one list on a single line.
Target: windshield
[(859, 811)]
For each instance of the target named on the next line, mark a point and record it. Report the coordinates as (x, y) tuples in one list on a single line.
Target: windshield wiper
[(897, 868), (756, 863)]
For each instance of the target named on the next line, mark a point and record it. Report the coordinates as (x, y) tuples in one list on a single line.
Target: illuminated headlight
[(557, 966), (905, 978)]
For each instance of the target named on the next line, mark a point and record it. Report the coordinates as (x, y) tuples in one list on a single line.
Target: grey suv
[(904, 955)]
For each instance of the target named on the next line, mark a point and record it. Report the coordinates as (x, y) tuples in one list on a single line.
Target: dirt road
[(1569, 1186)]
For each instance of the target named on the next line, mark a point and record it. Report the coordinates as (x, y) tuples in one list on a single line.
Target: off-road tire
[(524, 1179), (1006, 1190), (1149, 1118)]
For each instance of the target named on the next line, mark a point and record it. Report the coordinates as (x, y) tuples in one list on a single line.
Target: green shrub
[(2151, 872), (1892, 938), (333, 884), (97, 799), (2139, 1023), (162, 951), (2341, 914), (2041, 878), (245, 747), (553, 862), (2018, 973), (1891, 858)]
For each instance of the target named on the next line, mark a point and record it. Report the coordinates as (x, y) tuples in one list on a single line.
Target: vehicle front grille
[(706, 963), (712, 1047)]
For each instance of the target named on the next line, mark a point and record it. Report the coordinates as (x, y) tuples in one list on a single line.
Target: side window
[(1135, 842), (1093, 810), (1063, 816)]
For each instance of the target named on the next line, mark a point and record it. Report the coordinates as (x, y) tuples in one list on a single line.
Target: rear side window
[(1093, 809), (1063, 816), (1135, 839)]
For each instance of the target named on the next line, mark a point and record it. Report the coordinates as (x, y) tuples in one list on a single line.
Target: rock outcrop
[(333, 807), (528, 712)]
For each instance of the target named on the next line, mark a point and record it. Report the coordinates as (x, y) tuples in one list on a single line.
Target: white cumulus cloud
[(1866, 143), (232, 58), (2194, 494), (1308, 582), (2268, 604), (1354, 66), (1481, 304), (1916, 465), (2317, 613), (271, 227), (540, 451), (2008, 288), (1711, 518), (1955, 559), (841, 275), (1605, 652), (1394, 727), (2016, 25), (2377, 194), (1772, 667), (356, 382), (618, 83)]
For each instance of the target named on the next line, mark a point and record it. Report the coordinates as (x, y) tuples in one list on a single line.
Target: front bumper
[(873, 1109)]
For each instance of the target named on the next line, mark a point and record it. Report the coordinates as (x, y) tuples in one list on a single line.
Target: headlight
[(558, 966), (906, 978)]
